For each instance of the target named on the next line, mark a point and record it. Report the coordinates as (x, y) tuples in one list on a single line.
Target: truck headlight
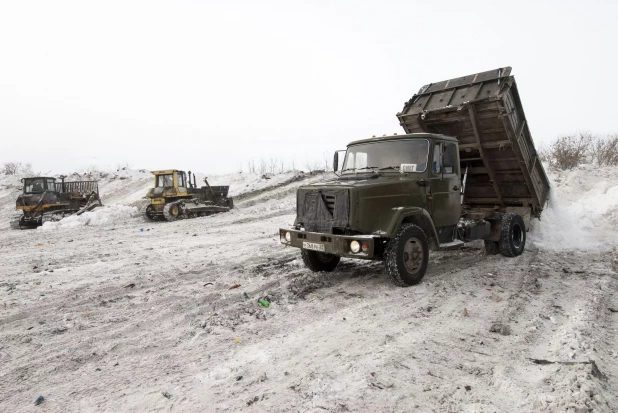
[(355, 246), (288, 237)]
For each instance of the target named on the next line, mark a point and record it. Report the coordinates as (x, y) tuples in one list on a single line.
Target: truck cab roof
[(405, 136)]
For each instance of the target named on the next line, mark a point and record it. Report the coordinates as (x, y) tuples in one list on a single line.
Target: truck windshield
[(397, 155), (34, 186), (165, 180)]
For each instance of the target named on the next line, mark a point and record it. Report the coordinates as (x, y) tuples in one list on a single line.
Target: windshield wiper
[(373, 168), (390, 167), (367, 167)]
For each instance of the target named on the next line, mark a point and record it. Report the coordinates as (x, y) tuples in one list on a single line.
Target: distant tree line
[(569, 151), (16, 168), (274, 166)]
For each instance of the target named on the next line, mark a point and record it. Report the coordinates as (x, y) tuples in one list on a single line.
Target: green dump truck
[(466, 169)]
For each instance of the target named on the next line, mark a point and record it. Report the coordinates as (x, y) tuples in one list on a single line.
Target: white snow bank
[(583, 210), (101, 216), (241, 183), (9, 192)]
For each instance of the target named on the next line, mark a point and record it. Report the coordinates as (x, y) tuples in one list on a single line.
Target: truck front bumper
[(340, 245)]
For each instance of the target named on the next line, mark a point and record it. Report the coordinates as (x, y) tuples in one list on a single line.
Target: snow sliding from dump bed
[(582, 213), (105, 215)]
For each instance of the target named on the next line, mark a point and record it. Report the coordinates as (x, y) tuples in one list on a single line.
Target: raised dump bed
[(484, 112)]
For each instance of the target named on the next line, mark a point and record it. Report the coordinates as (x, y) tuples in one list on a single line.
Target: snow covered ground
[(583, 213), (111, 312)]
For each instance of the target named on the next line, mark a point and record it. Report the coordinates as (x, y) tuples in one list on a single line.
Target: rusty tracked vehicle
[(44, 199)]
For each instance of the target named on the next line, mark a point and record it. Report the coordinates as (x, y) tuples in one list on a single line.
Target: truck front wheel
[(512, 235), (406, 255), (319, 261)]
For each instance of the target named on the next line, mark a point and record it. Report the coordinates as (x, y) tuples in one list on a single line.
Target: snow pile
[(125, 187), (241, 183), (9, 191), (583, 210), (101, 216)]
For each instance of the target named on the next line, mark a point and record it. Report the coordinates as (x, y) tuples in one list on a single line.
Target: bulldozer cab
[(170, 179), (38, 185), (169, 183)]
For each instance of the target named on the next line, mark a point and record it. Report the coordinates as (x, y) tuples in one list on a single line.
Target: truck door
[(445, 189)]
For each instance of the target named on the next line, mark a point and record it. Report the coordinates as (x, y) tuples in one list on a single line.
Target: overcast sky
[(207, 85)]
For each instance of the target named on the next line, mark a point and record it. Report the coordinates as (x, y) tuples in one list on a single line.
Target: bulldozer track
[(167, 214), (54, 216)]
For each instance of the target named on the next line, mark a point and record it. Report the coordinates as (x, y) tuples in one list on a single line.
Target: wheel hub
[(517, 236), (413, 255)]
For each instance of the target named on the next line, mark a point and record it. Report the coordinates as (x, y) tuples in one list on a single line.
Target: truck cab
[(406, 174), (384, 184), (386, 179)]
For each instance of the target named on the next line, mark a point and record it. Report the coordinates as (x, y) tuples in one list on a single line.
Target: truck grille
[(329, 201), (321, 210)]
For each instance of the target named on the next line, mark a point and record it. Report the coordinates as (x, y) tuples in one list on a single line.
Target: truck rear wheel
[(512, 235), (319, 261), (492, 247), (406, 255)]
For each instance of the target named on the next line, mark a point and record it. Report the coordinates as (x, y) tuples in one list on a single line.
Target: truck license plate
[(313, 246)]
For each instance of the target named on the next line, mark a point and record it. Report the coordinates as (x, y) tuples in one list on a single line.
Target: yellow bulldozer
[(174, 197)]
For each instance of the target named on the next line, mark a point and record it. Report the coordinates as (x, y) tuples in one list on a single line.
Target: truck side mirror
[(336, 161)]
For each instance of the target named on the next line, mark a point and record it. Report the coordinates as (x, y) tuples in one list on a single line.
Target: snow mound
[(101, 216), (583, 210), (241, 183)]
